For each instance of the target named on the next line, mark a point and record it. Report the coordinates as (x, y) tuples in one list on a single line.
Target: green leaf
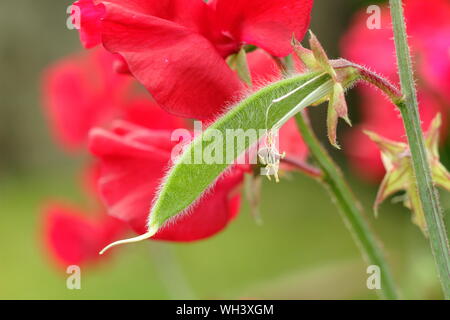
[(268, 108)]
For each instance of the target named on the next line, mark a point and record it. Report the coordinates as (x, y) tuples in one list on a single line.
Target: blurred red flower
[(85, 92), (429, 30), (80, 92), (177, 48), (74, 238), (135, 154)]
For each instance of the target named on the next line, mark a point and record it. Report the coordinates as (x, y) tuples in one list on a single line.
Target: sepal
[(316, 59), (396, 158)]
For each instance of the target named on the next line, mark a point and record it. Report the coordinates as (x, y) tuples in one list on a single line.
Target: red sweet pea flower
[(80, 92), (136, 152), (157, 40), (429, 30), (72, 238), (133, 162)]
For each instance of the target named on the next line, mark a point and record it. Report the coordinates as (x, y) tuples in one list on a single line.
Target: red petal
[(90, 24), (73, 239), (185, 81), (262, 67), (145, 113), (130, 173), (266, 24), (192, 14), (292, 142)]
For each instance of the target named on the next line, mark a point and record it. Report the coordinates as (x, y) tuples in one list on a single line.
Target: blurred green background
[(303, 249)]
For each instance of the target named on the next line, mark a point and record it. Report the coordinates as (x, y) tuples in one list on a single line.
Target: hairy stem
[(410, 114), (349, 206), (370, 77)]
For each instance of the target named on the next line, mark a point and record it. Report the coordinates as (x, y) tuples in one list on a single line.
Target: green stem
[(410, 114), (349, 207), (170, 272)]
